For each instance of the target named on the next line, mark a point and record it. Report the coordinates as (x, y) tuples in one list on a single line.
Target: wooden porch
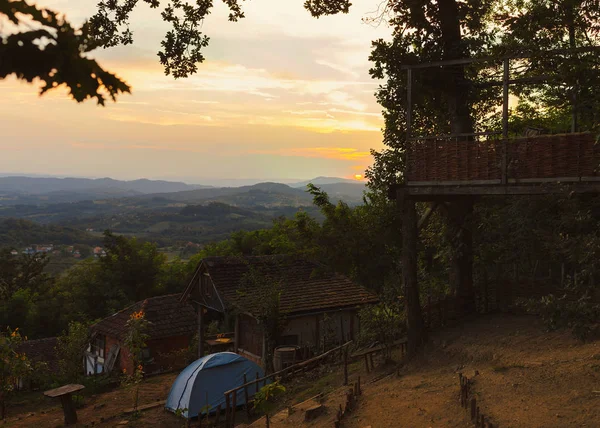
[(447, 167)]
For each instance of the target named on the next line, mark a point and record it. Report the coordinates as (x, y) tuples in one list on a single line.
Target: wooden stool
[(64, 393)]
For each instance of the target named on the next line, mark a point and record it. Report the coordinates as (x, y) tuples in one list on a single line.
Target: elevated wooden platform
[(550, 164)]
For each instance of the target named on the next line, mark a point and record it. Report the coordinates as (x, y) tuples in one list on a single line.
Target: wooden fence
[(468, 402), (351, 397), (251, 387)]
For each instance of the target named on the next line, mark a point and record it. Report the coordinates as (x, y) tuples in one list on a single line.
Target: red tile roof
[(166, 315), (306, 286), (41, 350)]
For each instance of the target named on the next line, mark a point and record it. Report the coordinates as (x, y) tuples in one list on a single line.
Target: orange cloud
[(339, 153)]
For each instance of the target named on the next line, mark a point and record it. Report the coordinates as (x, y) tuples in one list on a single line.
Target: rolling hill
[(35, 190)]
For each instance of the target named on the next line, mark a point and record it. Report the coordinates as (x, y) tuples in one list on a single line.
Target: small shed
[(321, 306), (200, 387), (171, 327)]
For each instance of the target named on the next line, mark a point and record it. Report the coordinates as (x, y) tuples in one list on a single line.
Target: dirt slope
[(523, 377), (526, 377)]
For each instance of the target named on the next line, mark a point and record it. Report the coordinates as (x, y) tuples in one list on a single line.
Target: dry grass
[(526, 377)]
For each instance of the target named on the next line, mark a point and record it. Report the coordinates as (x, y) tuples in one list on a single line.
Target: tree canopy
[(42, 44)]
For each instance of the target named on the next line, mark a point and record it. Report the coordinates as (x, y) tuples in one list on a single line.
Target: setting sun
[(358, 176)]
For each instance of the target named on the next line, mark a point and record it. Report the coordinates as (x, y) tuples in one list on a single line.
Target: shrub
[(581, 315)]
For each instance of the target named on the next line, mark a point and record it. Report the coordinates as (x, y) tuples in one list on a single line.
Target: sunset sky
[(281, 96)]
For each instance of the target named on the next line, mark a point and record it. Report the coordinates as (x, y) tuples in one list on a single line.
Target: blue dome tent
[(207, 379)]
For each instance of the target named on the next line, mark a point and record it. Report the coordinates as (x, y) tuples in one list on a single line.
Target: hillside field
[(523, 376)]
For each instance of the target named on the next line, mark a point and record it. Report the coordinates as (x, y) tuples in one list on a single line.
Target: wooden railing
[(255, 384), (537, 159)]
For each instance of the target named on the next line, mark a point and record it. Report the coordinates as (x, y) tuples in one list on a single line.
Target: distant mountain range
[(47, 190), (323, 180), (44, 185), (164, 212)]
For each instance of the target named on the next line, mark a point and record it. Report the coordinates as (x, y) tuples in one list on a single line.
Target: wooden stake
[(227, 412), (345, 366), (367, 363), (247, 404), (473, 407), (233, 408), (218, 415)]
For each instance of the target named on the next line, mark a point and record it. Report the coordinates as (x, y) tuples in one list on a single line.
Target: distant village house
[(172, 325)]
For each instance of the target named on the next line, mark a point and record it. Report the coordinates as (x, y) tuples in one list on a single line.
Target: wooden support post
[(68, 409), (473, 407), (371, 360), (233, 408), (414, 317), (345, 365), (429, 323), (227, 411), (367, 363), (408, 103), (358, 383), (427, 215), (200, 331), (246, 397), (505, 99), (218, 416), (236, 335), (64, 393)]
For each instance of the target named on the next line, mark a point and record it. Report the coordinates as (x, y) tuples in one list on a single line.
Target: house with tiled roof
[(171, 327), (320, 306)]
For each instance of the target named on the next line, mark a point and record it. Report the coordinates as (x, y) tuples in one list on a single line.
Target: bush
[(382, 323), (581, 315), (98, 383)]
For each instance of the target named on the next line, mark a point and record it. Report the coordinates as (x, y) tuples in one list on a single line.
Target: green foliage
[(183, 44), (383, 323), (13, 365), (266, 400), (47, 47), (537, 26), (19, 232), (70, 351), (23, 287), (135, 267), (576, 308), (135, 343)]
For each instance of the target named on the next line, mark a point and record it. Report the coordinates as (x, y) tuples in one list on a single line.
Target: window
[(98, 345)]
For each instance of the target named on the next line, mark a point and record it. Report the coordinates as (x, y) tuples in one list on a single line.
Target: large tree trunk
[(459, 217), (414, 318), (456, 92)]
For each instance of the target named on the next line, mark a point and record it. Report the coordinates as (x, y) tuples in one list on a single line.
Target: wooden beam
[(200, 331), (459, 135), (430, 193), (497, 59), (236, 339), (425, 219)]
